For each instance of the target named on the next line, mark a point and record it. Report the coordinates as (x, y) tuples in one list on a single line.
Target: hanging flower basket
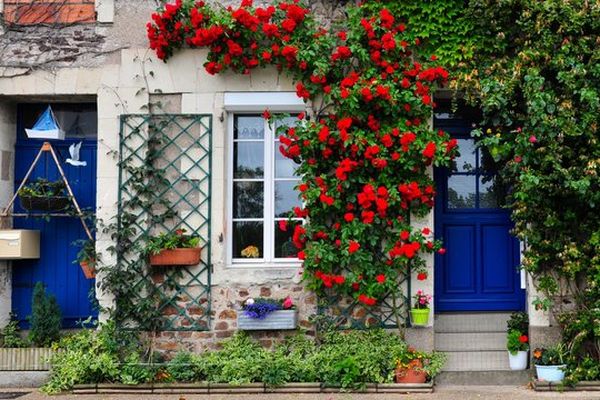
[(89, 271), (184, 256), (53, 203), (419, 317)]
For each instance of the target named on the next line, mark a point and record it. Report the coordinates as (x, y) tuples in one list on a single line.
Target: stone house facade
[(95, 52)]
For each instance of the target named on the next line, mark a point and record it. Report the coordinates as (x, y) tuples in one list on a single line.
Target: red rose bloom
[(421, 276), (380, 278), (353, 247)]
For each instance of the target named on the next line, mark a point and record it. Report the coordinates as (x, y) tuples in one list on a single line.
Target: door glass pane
[(249, 127), (248, 199), (245, 235), (78, 120), (467, 161), (461, 191), (286, 198), (284, 167), (490, 192), (284, 248), (248, 160)]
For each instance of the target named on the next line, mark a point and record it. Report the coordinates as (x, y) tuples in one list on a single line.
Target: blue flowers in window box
[(268, 314)]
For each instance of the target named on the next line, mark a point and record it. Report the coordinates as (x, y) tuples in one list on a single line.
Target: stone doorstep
[(224, 388), (495, 378), (586, 386)]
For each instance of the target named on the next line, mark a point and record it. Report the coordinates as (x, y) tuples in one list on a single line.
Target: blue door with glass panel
[(55, 267), (479, 271)]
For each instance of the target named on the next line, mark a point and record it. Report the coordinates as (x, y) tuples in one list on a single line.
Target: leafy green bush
[(349, 360), (45, 318), (10, 334), (93, 356), (240, 361), (519, 321), (185, 367)]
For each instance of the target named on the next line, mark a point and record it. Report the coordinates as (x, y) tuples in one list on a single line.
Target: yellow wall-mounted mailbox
[(18, 244)]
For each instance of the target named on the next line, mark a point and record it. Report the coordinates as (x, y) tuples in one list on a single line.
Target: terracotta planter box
[(25, 359), (277, 320), (88, 269), (177, 257)]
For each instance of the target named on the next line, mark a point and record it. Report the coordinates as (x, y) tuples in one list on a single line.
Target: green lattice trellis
[(347, 313), (173, 152)]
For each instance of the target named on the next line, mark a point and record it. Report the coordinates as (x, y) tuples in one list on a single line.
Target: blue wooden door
[(55, 267), (479, 271)]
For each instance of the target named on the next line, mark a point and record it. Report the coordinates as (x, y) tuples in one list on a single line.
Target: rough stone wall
[(24, 49), (226, 305)]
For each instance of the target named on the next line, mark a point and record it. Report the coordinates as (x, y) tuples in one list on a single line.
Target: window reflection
[(462, 191)]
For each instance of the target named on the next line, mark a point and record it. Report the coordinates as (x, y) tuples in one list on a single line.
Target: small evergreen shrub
[(45, 318), (11, 337)]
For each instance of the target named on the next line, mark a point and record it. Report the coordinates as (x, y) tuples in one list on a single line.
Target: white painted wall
[(8, 129)]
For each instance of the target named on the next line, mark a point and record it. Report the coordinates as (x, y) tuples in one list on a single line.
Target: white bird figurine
[(74, 159)]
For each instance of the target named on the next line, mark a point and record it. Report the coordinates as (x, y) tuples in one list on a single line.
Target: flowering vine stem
[(364, 159)]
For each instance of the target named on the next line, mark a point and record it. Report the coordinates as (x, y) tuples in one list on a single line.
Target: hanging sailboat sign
[(46, 127)]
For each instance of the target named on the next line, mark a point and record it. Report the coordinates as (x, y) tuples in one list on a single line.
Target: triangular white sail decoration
[(46, 127)]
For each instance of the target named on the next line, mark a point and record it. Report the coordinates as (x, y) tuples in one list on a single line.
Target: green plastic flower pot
[(420, 317)]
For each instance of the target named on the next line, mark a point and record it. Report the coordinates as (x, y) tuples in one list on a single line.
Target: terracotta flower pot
[(409, 374), (187, 256), (88, 269)]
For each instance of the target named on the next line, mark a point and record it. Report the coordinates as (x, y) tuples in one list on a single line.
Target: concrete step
[(475, 341), (477, 361), (483, 378), (471, 322)]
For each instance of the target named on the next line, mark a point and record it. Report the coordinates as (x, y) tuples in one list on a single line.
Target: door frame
[(458, 128)]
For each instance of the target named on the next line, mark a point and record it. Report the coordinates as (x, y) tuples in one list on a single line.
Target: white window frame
[(253, 103)]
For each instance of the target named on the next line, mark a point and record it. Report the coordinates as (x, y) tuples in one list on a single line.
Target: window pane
[(461, 191), (284, 248), (491, 192), (78, 120), (248, 199), (284, 167), (286, 198), (249, 127), (246, 234), (467, 160), (248, 160), (287, 121)]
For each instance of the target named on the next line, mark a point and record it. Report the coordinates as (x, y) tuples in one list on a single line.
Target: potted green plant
[(517, 341), (549, 363), (44, 195), (518, 346), (420, 312), (86, 258), (267, 314), (174, 248), (417, 367)]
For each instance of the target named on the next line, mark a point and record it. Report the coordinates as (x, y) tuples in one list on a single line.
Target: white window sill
[(264, 266)]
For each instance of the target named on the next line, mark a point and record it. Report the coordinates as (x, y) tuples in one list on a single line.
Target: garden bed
[(224, 388), (587, 386)]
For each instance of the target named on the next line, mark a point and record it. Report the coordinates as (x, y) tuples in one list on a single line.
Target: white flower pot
[(518, 362), (550, 373)]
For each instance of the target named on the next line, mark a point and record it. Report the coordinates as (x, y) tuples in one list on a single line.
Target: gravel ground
[(441, 393)]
